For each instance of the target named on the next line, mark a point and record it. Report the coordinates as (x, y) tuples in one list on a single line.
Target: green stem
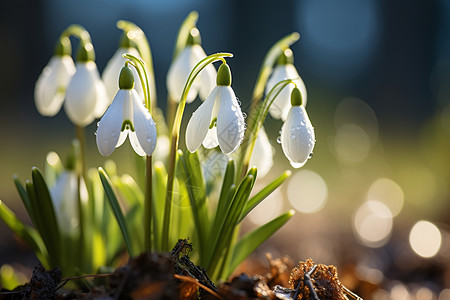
[(81, 137), (77, 31), (148, 204), (256, 124), (175, 137)]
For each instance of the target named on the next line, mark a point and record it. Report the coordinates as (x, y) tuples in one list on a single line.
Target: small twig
[(195, 281), (66, 280), (307, 280), (351, 294), (10, 292)]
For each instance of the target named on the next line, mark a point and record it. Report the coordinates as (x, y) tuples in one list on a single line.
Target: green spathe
[(126, 79), (224, 75)]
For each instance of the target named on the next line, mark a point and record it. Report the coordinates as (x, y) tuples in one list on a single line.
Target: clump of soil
[(174, 276)]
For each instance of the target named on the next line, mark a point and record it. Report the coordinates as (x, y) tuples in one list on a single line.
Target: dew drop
[(95, 132), (279, 139), (292, 135), (310, 155), (149, 140), (244, 115)]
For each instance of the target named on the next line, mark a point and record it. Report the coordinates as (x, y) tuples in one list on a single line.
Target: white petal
[(110, 76), (81, 95), (109, 127), (102, 98), (135, 143), (262, 155), (211, 140), (144, 125), (208, 76), (52, 83), (198, 125), (297, 136), (178, 74), (280, 107), (122, 137), (230, 121)]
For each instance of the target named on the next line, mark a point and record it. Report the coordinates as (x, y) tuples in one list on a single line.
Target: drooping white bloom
[(218, 120), (282, 71), (65, 195), (110, 75), (127, 116), (86, 96), (52, 83), (297, 134), (181, 68), (262, 155)]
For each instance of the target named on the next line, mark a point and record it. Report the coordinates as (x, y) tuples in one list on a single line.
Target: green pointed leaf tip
[(86, 52), (126, 79), (224, 75), (296, 97)]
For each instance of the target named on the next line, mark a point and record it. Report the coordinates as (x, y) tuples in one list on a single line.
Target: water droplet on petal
[(279, 139), (310, 155), (149, 140)]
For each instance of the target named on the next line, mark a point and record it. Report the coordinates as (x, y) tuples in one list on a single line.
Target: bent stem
[(77, 31), (175, 138)]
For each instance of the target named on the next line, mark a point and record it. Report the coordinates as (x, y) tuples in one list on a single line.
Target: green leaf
[(28, 234), (223, 237), (183, 33), (25, 199), (261, 195), (159, 195), (42, 206), (268, 62), (114, 204), (248, 243)]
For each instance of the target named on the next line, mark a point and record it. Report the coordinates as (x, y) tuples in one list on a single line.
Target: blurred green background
[(378, 81)]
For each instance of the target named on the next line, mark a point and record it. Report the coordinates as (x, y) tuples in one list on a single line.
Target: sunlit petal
[(81, 96), (135, 143), (144, 125), (207, 77), (297, 136), (109, 127), (52, 83), (200, 121), (262, 155), (178, 74), (102, 98), (230, 121), (211, 140)]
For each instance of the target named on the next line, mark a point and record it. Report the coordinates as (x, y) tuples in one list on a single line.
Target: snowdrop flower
[(218, 120), (52, 83), (262, 155), (282, 71), (86, 97), (182, 66), (297, 133), (127, 116), (110, 75), (65, 201)]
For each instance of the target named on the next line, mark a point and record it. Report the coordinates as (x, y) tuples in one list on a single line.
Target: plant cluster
[(84, 218)]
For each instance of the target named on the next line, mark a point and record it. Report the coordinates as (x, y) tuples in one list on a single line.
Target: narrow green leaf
[(42, 205), (223, 237), (269, 61), (183, 33), (28, 234), (24, 196), (248, 243), (159, 194), (114, 204), (261, 195)]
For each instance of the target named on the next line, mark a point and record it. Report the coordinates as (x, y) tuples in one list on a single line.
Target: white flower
[(218, 120), (262, 155), (297, 134), (65, 201), (52, 83), (181, 68), (127, 116), (282, 71), (110, 76), (86, 96)]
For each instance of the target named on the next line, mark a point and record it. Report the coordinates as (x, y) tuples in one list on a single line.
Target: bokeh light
[(268, 209), (307, 191), (425, 239), (352, 143), (399, 292), (388, 192), (373, 223)]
